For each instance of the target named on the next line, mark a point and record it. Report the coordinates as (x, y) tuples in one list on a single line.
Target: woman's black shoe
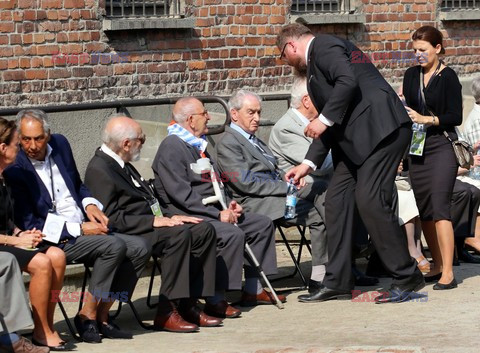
[(440, 286), (433, 278), (62, 347)]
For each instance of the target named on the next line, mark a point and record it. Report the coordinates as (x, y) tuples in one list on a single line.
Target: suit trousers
[(14, 309), (369, 187), (188, 260), (259, 232), (311, 212), (117, 260)]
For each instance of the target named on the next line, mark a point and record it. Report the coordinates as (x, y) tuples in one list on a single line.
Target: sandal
[(425, 268)]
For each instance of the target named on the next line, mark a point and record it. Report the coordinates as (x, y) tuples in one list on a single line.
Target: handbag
[(462, 149), (463, 152)]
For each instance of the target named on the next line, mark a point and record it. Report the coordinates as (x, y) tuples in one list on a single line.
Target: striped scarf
[(200, 143)]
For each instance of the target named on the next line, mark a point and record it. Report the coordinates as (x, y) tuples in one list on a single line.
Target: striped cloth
[(200, 143)]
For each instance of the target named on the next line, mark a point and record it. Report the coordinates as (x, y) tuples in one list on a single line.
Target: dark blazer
[(125, 205), (31, 198), (175, 182), (355, 96), (254, 182)]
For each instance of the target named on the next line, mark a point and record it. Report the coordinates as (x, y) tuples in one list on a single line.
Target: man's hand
[(235, 208), (166, 222), (297, 173), (228, 216), (93, 228), (315, 129), (96, 216), (186, 219)]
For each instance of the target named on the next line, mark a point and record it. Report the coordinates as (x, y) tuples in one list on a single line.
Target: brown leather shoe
[(222, 310), (196, 316), (168, 319), (260, 299), (23, 345)]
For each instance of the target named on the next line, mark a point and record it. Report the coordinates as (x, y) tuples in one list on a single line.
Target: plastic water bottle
[(475, 172), (291, 201)]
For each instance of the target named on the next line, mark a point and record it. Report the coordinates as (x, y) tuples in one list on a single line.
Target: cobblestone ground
[(442, 321)]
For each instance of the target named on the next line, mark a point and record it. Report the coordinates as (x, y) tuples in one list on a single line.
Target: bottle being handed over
[(291, 201)]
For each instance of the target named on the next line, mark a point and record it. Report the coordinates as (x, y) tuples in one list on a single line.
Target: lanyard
[(54, 203), (420, 91), (143, 184)]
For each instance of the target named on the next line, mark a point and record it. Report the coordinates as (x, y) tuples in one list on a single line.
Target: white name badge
[(53, 228)]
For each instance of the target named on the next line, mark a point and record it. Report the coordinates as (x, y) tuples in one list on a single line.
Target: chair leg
[(69, 324), (156, 265), (137, 316), (292, 255)]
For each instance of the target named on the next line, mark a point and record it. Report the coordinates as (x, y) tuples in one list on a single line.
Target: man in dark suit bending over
[(365, 124)]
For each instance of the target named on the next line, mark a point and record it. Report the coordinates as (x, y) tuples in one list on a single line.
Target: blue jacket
[(31, 198)]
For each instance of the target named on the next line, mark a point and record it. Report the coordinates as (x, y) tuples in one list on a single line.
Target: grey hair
[(33, 114), (299, 90), (237, 99), (476, 89), (119, 132), (183, 109)]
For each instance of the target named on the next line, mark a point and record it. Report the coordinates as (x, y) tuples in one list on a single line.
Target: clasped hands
[(98, 222)]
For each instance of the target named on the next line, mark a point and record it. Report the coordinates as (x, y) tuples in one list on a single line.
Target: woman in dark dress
[(433, 173), (46, 266)]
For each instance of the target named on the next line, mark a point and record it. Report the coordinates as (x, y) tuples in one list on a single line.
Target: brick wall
[(54, 51)]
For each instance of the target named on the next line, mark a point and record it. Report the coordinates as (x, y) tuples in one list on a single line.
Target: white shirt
[(65, 203)]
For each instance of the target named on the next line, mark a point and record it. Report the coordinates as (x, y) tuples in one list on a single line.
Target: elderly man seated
[(50, 195), (241, 153), (184, 189), (187, 244)]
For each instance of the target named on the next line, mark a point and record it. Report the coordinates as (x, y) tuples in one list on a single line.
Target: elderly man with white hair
[(184, 190)]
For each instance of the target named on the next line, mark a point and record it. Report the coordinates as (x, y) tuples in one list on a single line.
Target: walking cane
[(204, 164)]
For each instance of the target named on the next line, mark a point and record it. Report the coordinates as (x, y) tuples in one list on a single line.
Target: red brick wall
[(232, 46)]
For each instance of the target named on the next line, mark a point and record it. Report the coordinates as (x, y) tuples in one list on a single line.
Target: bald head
[(124, 136), (190, 113)]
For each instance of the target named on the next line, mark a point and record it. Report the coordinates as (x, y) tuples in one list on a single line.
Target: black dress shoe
[(465, 256), (62, 347), (440, 286), (323, 294), (430, 279), (111, 330), (402, 292), (88, 330), (313, 286)]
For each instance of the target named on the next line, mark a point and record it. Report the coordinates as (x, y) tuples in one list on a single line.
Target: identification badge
[(155, 207), (418, 140), (53, 228)]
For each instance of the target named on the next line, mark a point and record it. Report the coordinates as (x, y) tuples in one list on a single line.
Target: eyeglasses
[(283, 50), (142, 138), (204, 113)]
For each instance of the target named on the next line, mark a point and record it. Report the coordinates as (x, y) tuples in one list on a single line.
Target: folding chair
[(296, 260)]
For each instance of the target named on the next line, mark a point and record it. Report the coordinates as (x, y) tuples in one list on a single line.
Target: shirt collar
[(105, 149), (307, 48), (304, 120), (240, 130), (36, 162)]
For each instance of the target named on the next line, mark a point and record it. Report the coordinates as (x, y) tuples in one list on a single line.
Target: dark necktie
[(133, 173), (268, 156)]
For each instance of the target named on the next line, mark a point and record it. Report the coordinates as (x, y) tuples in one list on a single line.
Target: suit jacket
[(290, 145), (354, 95), (177, 184), (31, 198), (125, 205), (258, 185)]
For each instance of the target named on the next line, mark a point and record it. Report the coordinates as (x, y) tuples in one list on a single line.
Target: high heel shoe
[(430, 279), (440, 286), (425, 268)]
